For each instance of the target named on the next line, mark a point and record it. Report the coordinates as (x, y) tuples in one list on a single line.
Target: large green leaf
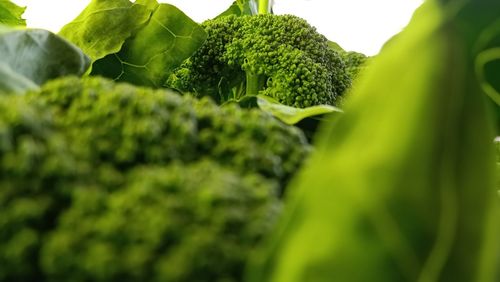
[(12, 82), (11, 14), (104, 25), (164, 43), (32, 56), (138, 43), (402, 185)]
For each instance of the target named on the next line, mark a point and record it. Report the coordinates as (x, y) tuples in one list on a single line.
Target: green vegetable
[(70, 152), (135, 42), (241, 7), (402, 185), (11, 14), (355, 62), (279, 56), (125, 126), (35, 167), (12, 82), (194, 222), (30, 57)]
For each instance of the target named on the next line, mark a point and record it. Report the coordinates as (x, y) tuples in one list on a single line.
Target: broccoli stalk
[(264, 6), (256, 82)]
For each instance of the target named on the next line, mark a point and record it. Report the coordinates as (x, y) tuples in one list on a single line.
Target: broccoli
[(35, 166), (124, 126), (355, 62), (280, 56), (218, 172), (194, 222)]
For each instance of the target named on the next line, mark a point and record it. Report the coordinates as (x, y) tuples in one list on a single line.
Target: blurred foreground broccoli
[(110, 182), (123, 126), (280, 56), (35, 166), (193, 222)]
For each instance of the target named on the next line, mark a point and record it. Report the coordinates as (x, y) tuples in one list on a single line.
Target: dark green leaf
[(12, 82), (33, 56)]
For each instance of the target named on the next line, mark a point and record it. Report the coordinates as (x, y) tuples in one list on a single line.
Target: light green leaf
[(33, 56), (248, 7), (135, 42), (164, 43), (11, 14), (240, 8), (104, 25), (292, 115), (402, 185)]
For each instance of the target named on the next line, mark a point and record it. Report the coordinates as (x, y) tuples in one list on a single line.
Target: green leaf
[(335, 46), (33, 56), (240, 8), (138, 43), (11, 14), (104, 25), (164, 43), (291, 115), (401, 187), (12, 82)]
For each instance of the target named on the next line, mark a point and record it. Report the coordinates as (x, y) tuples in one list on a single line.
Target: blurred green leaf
[(12, 82), (31, 57), (11, 14), (402, 185)]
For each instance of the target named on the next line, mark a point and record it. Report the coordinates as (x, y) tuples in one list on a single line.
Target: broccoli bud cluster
[(102, 181), (281, 56)]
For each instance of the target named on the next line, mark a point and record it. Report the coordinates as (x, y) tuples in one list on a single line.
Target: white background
[(358, 25)]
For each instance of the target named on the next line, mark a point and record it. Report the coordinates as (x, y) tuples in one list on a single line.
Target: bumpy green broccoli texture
[(280, 56), (122, 126), (35, 169), (102, 181), (355, 63), (196, 222)]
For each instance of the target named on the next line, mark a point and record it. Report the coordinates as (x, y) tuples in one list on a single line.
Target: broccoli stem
[(264, 7), (255, 83)]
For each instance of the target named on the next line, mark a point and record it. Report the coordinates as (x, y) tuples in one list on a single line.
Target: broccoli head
[(122, 126), (173, 187), (281, 56), (35, 167), (196, 222)]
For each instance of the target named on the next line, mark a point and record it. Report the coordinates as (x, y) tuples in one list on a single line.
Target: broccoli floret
[(77, 137), (195, 222), (35, 166), (281, 56), (355, 62), (124, 126)]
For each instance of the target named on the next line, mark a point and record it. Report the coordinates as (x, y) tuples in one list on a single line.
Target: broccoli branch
[(254, 83)]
